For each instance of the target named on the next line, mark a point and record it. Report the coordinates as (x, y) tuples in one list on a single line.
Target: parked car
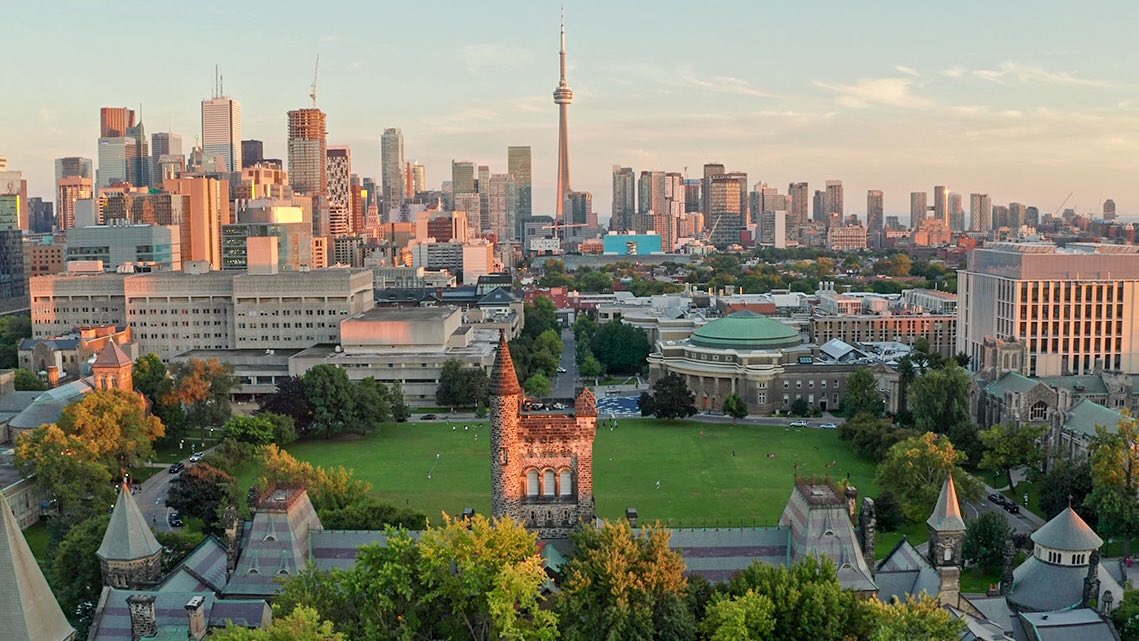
[(174, 519), (196, 457), (998, 498), (828, 426), (561, 370), (799, 424), (1012, 508), (429, 417), (177, 467)]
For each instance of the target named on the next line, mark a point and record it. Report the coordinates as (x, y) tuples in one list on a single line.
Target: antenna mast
[(315, 71)]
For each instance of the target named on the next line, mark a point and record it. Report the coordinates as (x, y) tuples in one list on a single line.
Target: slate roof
[(128, 536), (276, 544), (28, 609), (946, 515), (1067, 531), (112, 356), (52, 343), (717, 554), (905, 573), (1086, 415), (330, 549), (497, 296), (48, 406), (113, 622), (1090, 384), (821, 527), (1011, 382), (1074, 625), (202, 569), (503, 378), (1043, 587)]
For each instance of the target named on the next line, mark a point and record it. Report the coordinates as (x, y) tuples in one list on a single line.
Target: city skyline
[(1027, 119)]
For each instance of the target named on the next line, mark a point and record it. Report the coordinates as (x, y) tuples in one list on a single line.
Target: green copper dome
[(745, 331)]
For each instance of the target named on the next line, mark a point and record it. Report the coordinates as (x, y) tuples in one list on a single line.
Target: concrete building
[(472, 259), (339, 172), (518, 166), (200, 225), (773, 229), (151, 247), (939, 329), (941, 205), (44, 256), (725, 210), (1073, 308), (114, 161), (846, 238), (624, 198), (980, 213), (74, 180), (834, 199), (933, 301)]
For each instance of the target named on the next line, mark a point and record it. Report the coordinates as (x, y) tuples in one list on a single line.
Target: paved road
[(152, 498), (565, 385)]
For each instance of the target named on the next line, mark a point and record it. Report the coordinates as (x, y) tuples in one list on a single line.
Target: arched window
[(549, 483), (565, 483), (1038, 412), (532, 483)]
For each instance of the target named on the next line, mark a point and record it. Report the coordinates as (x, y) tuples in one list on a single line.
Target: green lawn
[(39, 540), (702, 483)]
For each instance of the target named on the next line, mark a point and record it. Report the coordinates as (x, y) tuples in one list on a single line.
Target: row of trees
[(477, 579), (325, 402), (614, 347)]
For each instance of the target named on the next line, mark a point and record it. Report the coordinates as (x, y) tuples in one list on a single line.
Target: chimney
[(631, 516), (196, 614), (851, 493), (1006, 570), (868, 524), (231, 524), (52, 376), (143, 622)]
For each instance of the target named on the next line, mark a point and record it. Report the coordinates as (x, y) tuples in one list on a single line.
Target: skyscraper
[(252, 152), (834, 199), (498, 191), (418, 177), (1016, 215), (392, 170), (710, 170), (917, 209), (724, 211), (874, 211), (956, 213), (819, 206), (941, 204), (563, 96), (138, 166), (624, 198), (114, 121), (1109, 209), (339, 170), (308, 151), (463, 179), (980, 212), (798, 194), (221, 130), (518, 166), (115, 156), (73, 182)]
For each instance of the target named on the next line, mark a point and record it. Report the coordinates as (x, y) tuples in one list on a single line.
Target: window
[(1038, 412), (532, 483), (548, 483), (565, 483)]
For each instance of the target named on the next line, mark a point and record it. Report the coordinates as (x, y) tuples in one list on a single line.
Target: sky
[(1027, 101)]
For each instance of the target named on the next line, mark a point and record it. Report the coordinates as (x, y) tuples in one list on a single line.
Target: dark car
[(1012, 508), (429, 417), (997, 498), (174, 519), (177, 467)]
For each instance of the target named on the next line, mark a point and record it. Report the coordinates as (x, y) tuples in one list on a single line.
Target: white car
[(798, 423), (828, 426), (196, 457), (561, 370)]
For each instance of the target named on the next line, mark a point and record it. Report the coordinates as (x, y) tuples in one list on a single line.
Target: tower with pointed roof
[(541, 464), (113, 369), (947, 542), (129, 556), (28, 609)]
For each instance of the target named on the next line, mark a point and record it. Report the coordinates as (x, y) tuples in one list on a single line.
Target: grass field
[(702, 483)]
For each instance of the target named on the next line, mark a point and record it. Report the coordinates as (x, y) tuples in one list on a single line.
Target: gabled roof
[(128, 536), (1011, 382), (112, 356), (946, 515), (905, 573), (497, 296), (1082, 624), (1089, 384), (28, 609), (1086, 415), (277, 544), (836, 349), (1067, 531)]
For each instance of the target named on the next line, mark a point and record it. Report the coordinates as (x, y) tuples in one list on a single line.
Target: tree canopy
[(862, 395), (461, 386), (201, 388), (202, 491), (671, 398), (1009, 446), (301, 624), (1115, 480), (27, 381), (915, 469), (113, 426), (620, 347), (985, 539)]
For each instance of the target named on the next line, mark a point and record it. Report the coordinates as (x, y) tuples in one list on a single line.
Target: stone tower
[(541, 464), (946, 541), (113, 369), (129, 556)]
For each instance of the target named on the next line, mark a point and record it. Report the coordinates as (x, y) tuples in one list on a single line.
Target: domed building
[(762, 360)]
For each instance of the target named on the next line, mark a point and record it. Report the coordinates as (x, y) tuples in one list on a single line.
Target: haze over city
[(897, 97)]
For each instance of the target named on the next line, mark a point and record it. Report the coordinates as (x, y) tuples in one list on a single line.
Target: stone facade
[(133, 574), (541, 464)]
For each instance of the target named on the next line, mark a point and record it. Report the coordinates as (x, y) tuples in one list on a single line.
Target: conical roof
[(586, 403), (1067, 531), (112, 356), (28, 609), (128, 536), (946, 515), (503, 378)]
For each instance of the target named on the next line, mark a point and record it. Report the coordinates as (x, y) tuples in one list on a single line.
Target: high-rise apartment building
[(221, 131), (917, 209), (207, 210), (1017, 215), (834, 199), (73, 182), (165, 149), (941, 204), (339, 190), (114, 121), (418, 177), (819, 206), (874, 211), (980, 213), (710, 170), (724, 220), (1066, 311), (1109, 210), (580, 212), (392, 176), (252, 153), (799, 194), (308, 151), (624, 198), (463, 178), (956, 213), (518, 165)]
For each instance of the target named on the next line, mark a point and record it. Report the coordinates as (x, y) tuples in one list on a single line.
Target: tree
[(620, 347), (751, 616), (76, 577), (290, 399), (901, 265), (27, 381), (201, 388), (915, 469), (371, 514), (872, 436), (735, 407), (13, 328), (539, 316), (939, 401), (862, 395), (257, 430), (114, 427), (400, 411), (591, 367), (1009, 446), (372, 405), (328, 488), (1067, 483), (811, 603), (800, 407), (583, 328), (461, 386), (618, 585), (888, 511), (150, 377), (537, 385), (920, 617), (645, 404), (284, 428), (1115, 480), (1126, 616), (301, 624), (77, 482), (202, 491), (985, 540), (333, 399), (671, 397)]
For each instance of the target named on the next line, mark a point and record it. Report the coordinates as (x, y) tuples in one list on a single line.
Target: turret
[(505, 420), (129, 556), (946, 542)]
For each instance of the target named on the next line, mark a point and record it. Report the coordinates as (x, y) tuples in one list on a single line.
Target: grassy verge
[(39, 540)]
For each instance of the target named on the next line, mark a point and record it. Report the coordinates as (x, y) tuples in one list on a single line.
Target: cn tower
[(563, 96)]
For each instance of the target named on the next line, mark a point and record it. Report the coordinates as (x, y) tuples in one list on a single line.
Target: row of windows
[(138, 324), (549, 484), (283, 325), (142, 311)]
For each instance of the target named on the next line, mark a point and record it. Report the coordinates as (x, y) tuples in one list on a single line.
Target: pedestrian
[(658, 485), (733, 451)]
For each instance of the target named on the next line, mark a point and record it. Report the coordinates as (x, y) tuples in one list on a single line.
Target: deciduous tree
[(290, 399), (742, 618), (920, 617), (537, 385), (1067, 483), (301, 624), (985, 540), (539, 316), (862, 395), (114, 427), (75, 479), (735, 407), (27, 381), (1115, 480), (201, 388), (76, 577), (1009, 446), (915, 469), (461, 386), (671, 397), (621, 347), (257, 429), (202, 491), (333, 399), (400, 411)]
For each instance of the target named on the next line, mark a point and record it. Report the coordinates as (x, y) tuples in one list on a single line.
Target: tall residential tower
[(392, 168)]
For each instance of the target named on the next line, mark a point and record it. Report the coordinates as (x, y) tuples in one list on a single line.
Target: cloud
[(480, 57), (953, 72), (1008, 72), (909, 71), (725, 84), (866, 92)]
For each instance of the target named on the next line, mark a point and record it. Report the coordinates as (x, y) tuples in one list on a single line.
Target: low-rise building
[(939, 330), (68, 355)]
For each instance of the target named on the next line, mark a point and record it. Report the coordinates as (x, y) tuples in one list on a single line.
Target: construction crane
[(315, 71), (1059, 210)]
